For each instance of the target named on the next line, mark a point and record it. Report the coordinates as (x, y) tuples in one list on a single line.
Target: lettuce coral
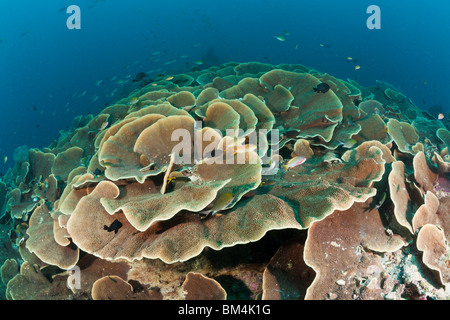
[(311, 194)]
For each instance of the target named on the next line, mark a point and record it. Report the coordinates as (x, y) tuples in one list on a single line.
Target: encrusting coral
[(315, 194)]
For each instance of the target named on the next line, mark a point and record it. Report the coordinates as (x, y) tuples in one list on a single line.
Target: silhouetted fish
[(23, 34), (139, 77), (115, 226), (322, 87)]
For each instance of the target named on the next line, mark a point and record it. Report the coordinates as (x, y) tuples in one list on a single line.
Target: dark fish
[(382, 187), (139, 77), (34, 108), (322, 87), (115, 226), (23, 34), (115, 281), (357, 102)]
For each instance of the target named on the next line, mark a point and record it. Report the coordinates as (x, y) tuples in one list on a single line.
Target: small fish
[(98, 82), (440, 116), (179, 179), (104, 163), (113, 280), (84, 92), (296, 46), (220, 204), (198, 62), (95, 98), (23, 34), (286, 32), (156, 53), (178, 176), (233, 142), (139, 76), (349, 59), (170, 62), (279, 38), (383, 198), (267, 183), (294, 162), (242, 148), (133, 101), (169, 78), (5, 159), (170, 179), (322, 87), (357, 67), (349, 143), (115, 226), (104, 125)]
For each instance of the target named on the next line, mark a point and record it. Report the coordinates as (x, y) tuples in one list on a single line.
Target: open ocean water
[(50, 74)]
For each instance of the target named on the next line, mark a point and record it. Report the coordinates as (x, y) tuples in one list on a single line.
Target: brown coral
[(115, 288), (173, 172), (42, 240), (431, 240), (345, 262), (316, 189), (199, 287), (404, 135), (177, 239)]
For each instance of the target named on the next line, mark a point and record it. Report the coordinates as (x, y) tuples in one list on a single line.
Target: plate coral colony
[(242, 181)]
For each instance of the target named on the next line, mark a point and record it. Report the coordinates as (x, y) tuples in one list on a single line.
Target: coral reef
[(241, 181)]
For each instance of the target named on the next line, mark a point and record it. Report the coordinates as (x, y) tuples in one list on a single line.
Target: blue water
[(45, 67)]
